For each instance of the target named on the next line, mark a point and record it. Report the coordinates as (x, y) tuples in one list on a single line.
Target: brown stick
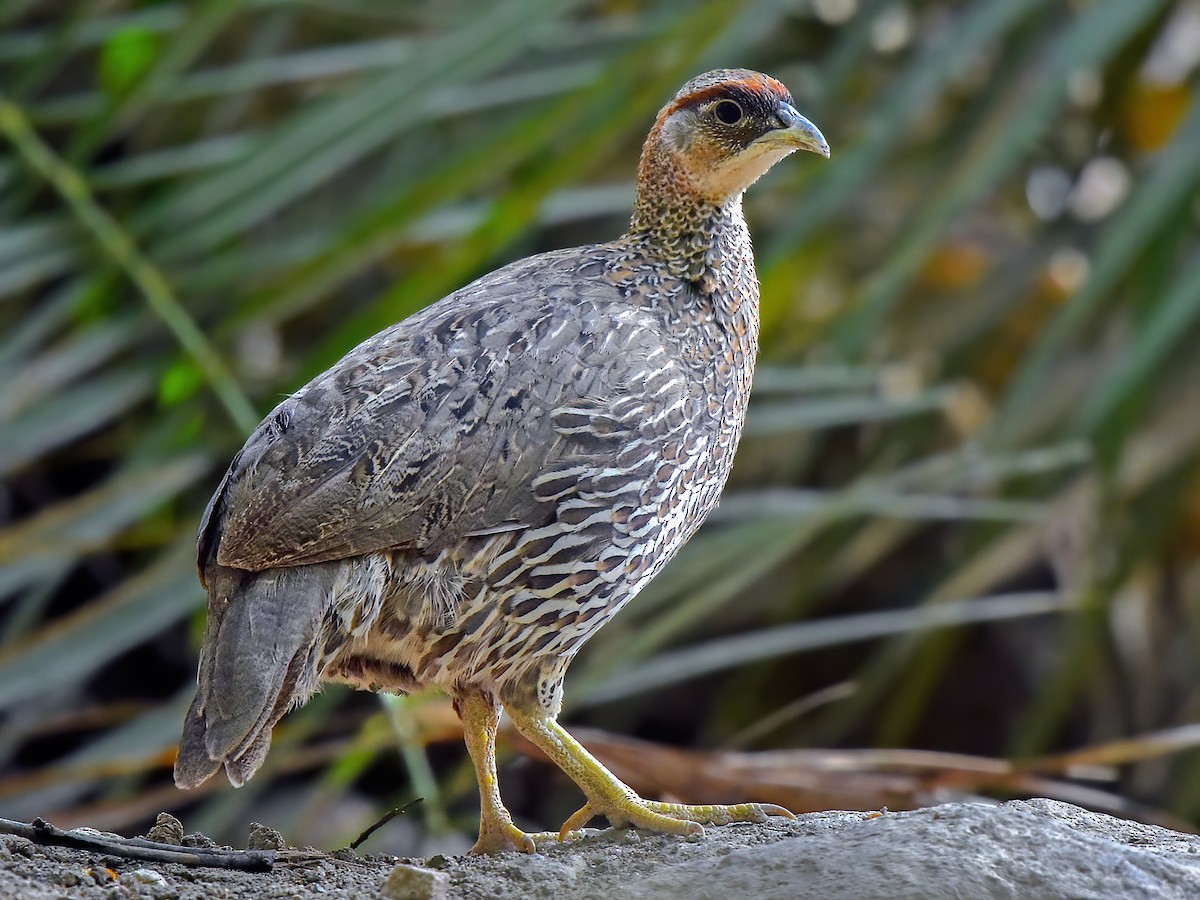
[(42, 832), (354, 844)]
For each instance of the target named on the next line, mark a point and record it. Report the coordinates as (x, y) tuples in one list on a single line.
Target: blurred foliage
[(966, 513)]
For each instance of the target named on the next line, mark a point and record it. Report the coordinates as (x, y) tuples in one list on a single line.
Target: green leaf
[(70, 416), (1170, 183), (1018, 118), (713, 656), (120, 619), (335, 134), (126, 56), (86, 523), (179, 382)]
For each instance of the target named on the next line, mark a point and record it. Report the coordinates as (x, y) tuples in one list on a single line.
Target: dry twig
[(42, 832), (361, 839)]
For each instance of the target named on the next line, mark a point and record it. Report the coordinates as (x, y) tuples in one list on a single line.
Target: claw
[(576, 821)]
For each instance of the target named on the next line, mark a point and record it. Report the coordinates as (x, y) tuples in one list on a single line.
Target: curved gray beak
[(797, 132)]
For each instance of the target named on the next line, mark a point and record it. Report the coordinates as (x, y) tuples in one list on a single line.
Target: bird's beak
[(797, 132)]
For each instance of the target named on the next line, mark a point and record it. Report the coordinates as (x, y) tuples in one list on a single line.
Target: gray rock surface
[(1026, 849), (1040, 848)]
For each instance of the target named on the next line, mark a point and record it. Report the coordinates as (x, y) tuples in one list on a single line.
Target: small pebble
[(315, 874), (264, 838), (196, 839), (167, 830), (148, 876), (102, 875), (415, 883)]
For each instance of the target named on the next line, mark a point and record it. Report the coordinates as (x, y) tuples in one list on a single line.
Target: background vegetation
[(966, 514)]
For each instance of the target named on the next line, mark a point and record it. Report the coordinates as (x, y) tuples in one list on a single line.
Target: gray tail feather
[(259, 660)]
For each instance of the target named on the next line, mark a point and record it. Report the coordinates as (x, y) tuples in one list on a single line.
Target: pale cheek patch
[(721, 179)]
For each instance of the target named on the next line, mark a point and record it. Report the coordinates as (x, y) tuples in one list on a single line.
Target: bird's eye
[(728, 112)]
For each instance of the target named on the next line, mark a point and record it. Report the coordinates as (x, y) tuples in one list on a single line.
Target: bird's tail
[(263, 648)]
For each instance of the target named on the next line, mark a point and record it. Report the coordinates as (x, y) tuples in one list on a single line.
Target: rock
[(407, 882), (264, 838), (196, 839), (167, 830), (1039, 848), (148, 876), (1036, 849), (102, 875)]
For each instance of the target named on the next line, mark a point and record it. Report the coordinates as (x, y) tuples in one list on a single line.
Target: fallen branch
[(42, 832)]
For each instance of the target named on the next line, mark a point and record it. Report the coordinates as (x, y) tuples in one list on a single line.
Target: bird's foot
[(669, 818), (505, 837), (610, 797)]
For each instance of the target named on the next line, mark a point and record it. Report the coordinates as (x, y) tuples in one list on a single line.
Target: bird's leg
[(608, 796), (480, 716)]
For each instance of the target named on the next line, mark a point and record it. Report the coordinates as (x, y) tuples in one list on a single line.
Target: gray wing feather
[(433, 429)]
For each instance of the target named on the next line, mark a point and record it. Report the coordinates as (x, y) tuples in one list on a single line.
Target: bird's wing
[(464, 419)]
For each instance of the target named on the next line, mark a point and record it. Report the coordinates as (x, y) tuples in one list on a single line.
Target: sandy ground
[(1012, 851), (594, 866)]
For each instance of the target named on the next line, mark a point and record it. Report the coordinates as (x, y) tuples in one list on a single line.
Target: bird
[(465, 498)]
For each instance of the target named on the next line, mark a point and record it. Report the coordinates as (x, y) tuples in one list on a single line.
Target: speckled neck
[(694, 235)]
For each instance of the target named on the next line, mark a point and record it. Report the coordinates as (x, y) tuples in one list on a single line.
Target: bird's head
[(721, 132)]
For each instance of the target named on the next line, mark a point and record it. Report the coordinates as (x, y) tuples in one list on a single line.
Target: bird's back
[(438, 427)]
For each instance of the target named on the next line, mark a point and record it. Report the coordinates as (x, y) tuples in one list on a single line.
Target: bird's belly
[(491, 611)]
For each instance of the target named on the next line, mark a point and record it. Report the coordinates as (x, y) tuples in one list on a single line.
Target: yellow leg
[(480, 716), (608, 796)]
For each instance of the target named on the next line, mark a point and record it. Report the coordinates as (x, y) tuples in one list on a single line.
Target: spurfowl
[(465, 498)]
